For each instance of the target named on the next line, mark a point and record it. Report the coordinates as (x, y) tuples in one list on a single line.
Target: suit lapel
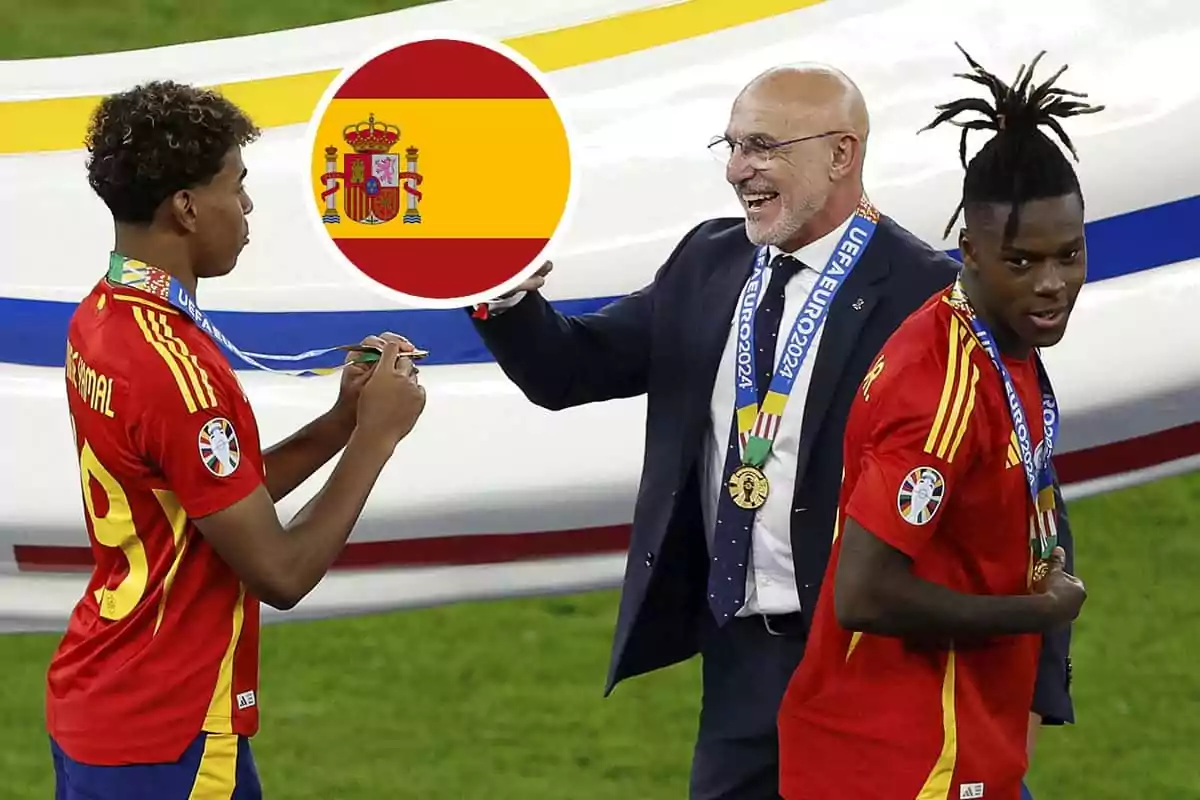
[(715, 301), (845, 320), (718, 300)]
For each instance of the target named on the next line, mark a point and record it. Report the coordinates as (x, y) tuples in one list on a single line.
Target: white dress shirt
[(771, 574)]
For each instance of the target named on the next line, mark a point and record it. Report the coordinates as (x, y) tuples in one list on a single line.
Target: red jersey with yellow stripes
[(931, 468), (164, 642)]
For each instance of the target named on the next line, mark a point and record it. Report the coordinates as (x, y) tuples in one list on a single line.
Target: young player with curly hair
[(153, 690)]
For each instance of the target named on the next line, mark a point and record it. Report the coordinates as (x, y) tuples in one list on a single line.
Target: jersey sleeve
[(192, 428), (919, 430)]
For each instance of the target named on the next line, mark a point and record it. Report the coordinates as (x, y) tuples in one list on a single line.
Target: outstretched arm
[(560, 361)]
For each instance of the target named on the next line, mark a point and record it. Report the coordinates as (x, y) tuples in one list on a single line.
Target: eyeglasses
[(755, 148)]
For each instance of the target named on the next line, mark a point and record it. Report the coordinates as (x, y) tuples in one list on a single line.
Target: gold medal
[(1040, 569), (748, 487)]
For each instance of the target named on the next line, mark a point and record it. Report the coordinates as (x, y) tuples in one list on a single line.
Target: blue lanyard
[(757, 427), (1038, 475), (140, 275)]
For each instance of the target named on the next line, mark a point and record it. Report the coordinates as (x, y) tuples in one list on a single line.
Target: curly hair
[(157, 138), (1020, 163)]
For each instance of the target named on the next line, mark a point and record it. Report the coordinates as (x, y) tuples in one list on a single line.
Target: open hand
[(534, 282)]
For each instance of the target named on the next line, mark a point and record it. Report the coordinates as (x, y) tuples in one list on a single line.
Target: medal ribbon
[(1043, 535), (757, 427), (140, 275)]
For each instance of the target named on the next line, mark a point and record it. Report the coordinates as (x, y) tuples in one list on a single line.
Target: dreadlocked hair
[(1020, 163)]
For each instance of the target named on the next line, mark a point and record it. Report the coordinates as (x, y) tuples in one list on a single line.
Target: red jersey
[(932, 468), (164, 643)]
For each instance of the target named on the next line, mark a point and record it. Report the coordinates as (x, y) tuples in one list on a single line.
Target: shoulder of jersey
[(932, 361), (170, 357), (954, 394)]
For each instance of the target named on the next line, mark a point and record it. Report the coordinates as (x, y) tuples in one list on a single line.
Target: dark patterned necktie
[(731, 538)]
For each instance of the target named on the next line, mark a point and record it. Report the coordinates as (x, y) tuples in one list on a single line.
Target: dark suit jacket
[(665, 341)]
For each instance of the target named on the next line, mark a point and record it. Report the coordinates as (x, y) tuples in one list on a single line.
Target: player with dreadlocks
[(945, 570)]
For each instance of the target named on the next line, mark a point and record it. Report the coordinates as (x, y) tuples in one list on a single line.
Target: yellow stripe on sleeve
[(172, 364), (956, 337), (129, 298), (964, 398), (966, 418), (958, 395), (191, 364)]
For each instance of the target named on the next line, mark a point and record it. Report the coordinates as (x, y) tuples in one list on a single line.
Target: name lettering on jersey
[(94, 388), (958, 395), (920, 496), (970, 791), (872, 376), (219, 447), (247, 699)]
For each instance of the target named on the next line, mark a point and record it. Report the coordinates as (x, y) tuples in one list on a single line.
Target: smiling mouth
[(757, 200)]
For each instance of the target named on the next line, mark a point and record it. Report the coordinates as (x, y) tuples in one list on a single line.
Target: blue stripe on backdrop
[(32, 331)]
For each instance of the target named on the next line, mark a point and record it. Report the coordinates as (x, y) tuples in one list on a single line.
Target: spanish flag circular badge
[(440, 169)]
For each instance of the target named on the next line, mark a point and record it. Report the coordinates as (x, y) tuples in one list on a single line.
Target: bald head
[(797, 136), (815, 92)]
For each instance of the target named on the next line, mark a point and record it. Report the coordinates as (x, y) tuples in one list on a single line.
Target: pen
[(367, 354)]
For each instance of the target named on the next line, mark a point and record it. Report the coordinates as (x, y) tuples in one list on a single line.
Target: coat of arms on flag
[(372, 175)]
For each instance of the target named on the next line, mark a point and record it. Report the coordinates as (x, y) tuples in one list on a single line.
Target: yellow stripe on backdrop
[(470, 165), (59, 124)]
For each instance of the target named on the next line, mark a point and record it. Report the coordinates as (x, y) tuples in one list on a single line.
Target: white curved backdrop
[(492, 496)]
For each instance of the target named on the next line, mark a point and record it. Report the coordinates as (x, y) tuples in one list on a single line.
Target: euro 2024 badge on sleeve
[(440, 170), (920, 495), (219, 447)]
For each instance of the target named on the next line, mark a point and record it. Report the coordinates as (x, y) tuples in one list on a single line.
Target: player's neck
[(1009, 343), (167, 253)]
